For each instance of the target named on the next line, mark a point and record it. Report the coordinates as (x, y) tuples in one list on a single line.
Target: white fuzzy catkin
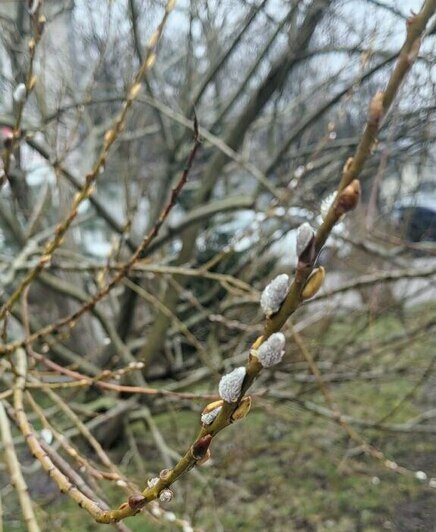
[(33, 6), (230, 385), (272, 350), (152, 482), (155, 509), (208, 417), (170, 516), (20, 93), (274, 294), (326, 203), (305, 233), (47, 436), (165, 495)]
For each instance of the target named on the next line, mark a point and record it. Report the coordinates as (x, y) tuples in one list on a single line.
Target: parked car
[(416, 214)]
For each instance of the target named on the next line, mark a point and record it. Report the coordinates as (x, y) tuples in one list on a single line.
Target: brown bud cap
[(200, 447), (243, 409), (109, 137), (32, 83), (136, 501), (211, 412), (376, 109), (254, 359), (40, 24), (211, 406), (348, 198), (314, 283), (347, 165), (135, 89)]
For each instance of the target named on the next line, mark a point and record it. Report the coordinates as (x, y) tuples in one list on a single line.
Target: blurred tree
[(103, 132)]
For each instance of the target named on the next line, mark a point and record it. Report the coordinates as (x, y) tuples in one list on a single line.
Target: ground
[(283, 468)]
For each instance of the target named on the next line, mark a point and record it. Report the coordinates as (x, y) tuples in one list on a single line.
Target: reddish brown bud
[(200, 447), (136, 501), (6, 133), (348, 198)]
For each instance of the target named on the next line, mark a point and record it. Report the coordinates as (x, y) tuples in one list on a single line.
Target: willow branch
[(416, 26)]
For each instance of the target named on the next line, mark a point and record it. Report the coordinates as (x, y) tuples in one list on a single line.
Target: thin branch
[(38, 22), (17, 479), (110, 137), (124, 271)]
